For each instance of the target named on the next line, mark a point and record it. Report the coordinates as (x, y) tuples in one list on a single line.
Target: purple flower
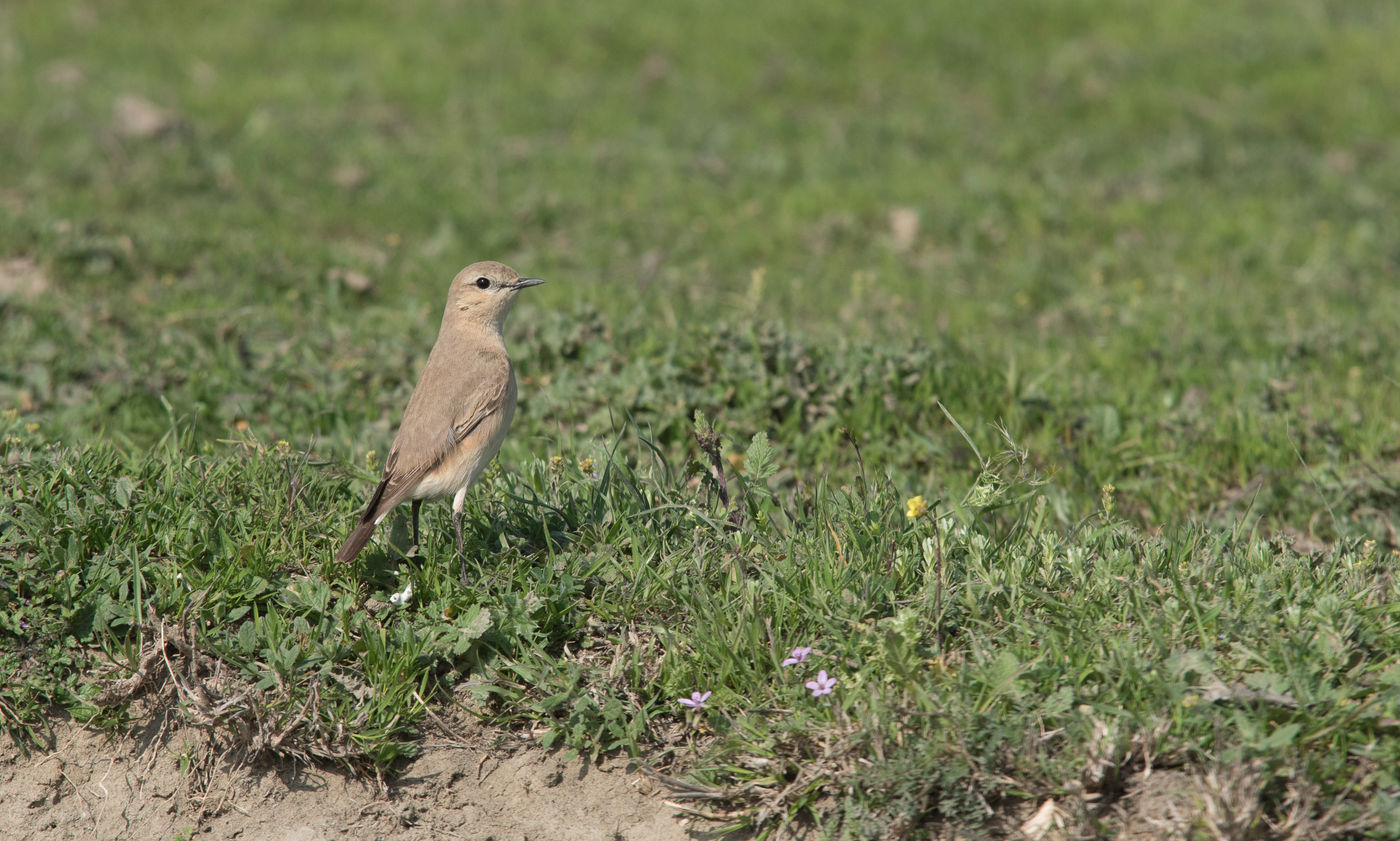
[(822, 685), (798, 655), (697, 700)]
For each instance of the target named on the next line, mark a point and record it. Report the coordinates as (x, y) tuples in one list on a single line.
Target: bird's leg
[(461, 552), (417, 503), (457, 502)]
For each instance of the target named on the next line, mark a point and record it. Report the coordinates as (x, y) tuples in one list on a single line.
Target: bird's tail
[(365, 528), (355, 542)]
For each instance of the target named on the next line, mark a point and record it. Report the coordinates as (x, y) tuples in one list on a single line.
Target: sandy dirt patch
[(162, 782)]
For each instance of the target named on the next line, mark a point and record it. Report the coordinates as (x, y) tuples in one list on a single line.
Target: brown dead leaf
[(64, 74), (1048, 821), (21, 277), (1341, 161), (904, 227), (203, 74), (353, 280), (655, 68), (135, 116), (348, 176)]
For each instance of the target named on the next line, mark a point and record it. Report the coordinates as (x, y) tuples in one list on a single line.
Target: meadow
[(1034, 364)]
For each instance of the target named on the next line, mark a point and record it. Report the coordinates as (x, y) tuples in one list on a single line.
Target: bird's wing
[(448, 404)]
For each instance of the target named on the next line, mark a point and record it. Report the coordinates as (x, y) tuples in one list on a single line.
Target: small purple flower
[(822, 685), (798, 655), (697, 700)]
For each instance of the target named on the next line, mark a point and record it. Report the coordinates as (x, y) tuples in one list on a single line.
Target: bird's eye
[(483, 283)]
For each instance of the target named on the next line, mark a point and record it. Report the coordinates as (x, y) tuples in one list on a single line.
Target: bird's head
[(483, 292)]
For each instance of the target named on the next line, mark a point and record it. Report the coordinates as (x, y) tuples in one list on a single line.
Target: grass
[(1110, 285)]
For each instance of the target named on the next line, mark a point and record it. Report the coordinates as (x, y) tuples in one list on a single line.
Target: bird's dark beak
[(526, 281)]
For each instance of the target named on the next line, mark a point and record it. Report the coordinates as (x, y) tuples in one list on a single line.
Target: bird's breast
[(465, 462)]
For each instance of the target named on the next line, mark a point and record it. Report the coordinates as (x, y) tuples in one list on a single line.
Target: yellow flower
[(556, 463), (32, 428), (586, 465), (915, 507)]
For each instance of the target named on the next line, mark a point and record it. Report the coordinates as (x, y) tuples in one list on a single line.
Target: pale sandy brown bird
[(460, 410)]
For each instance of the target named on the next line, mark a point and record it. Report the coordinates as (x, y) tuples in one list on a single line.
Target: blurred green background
[(1157, 240)]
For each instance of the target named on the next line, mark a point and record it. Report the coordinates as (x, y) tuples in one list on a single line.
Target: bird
[(460, 410)]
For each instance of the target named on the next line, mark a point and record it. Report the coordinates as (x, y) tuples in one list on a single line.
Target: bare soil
[(164, 781)]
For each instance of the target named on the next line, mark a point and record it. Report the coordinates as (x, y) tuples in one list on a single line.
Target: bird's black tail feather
[(365, 528), (355, 542)]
